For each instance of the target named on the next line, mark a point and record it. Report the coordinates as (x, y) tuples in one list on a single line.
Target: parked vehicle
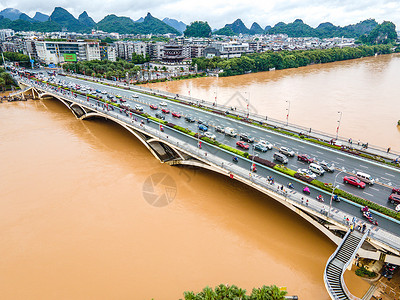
[(281, 157), (242, 145), (305, 157), (354, 181), (327, 166), (286, 151), (317, 169), (306, 172), (246, 138), (365, 177), (394, 198), (230, 131), (260, 147)]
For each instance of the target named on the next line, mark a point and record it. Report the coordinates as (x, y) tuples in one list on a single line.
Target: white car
[(286, 151), (135, 96), (307, 172), (138, 107), (266, 144), (163, 104), (210, 135)]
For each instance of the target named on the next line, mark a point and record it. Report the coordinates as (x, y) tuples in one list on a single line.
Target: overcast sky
[(220, 12)]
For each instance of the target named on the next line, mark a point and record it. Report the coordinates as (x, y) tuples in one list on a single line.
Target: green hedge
[(363, 272), (285, 170)]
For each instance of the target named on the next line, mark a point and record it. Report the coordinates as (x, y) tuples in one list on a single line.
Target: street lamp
[(333, 190), (337, 129), (288, 111), (248, 103)]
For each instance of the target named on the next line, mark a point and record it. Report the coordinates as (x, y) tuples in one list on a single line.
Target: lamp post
[(337, 129), (288, 111), (248, 103), (334, 187)]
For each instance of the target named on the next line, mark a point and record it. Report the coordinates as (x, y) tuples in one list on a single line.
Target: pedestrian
[(388, 150), (347, 221), (358, 143), (366, 145), (307, 202), (364, 227), (302, 200), (351, 227)]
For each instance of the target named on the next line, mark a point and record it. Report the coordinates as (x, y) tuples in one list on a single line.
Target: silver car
[(286, 151)]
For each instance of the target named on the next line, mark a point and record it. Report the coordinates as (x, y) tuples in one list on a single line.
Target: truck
[(230, 131)]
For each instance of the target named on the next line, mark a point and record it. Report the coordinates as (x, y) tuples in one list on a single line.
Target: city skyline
[(217, 14)]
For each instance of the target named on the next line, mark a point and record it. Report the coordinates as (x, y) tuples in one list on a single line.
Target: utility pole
[(337, 129)]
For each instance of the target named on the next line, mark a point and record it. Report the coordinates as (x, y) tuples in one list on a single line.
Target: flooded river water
[(74, 223)]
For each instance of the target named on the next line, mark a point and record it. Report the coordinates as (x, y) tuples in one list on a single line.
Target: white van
[(365, 177), (317, 169), (280, 157)]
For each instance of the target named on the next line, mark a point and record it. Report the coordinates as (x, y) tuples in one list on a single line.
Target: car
[(165, 111), (266, 144), (200, 121), (327, 166), (203, 127), (286, 151), (354, 181), (394, 198), (134, 96), (242, 145), (160, 116), (138, 107), (260, 147), (118, 96), (396, 191), (190, 119), (247, 138), (163, 104), (210, 135), (307, 172), (305, 157), (176, 114), (219, 129), (152, 106)]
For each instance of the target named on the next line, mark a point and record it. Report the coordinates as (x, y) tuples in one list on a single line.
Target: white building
[(5, 33), (53, 52)]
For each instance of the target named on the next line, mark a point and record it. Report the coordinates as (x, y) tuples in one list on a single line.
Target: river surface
[(365, 91), (75, 223)]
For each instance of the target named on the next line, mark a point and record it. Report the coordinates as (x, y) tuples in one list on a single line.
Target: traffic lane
[(310, 148)]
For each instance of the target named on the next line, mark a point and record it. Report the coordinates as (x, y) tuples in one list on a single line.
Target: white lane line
[(295, 149), (385, 178), (363, 166), (301, 146), (390, 175), (375, 189), (339, 158), (319, 152), (368, 194)]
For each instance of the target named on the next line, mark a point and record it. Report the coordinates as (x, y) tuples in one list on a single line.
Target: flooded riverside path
[(74, 223), (365, 90)]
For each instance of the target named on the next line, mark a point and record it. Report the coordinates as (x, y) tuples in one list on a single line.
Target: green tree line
[(103, 68), (258, 62), (5, 80)]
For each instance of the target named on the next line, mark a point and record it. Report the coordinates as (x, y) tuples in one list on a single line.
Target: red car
[(305, 157), (396, 191), (152, 106), (165, 111), (354, 181), (394, 198), (242, 145), (175, 114)]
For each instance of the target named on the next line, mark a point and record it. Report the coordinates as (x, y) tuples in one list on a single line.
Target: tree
[(384, 33), (198, 29)]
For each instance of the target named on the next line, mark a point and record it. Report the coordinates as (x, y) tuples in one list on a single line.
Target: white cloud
[(218, 13)]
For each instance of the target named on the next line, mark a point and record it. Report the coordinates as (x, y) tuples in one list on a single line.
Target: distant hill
[(178, 25), (238, 27), (140, 20), (25, 17), (150, 24), (325, 30), (10, 13), (41, 17), (256, 29), (85, 20), (65, 19)]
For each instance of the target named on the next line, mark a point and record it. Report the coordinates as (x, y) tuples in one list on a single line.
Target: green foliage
[(22, 59), (363, 272), (285, 170), (224, 31), (324, 30), (140, 58), (258, 62), (6, 80), (233, 292), (198, 29), (384, 33)]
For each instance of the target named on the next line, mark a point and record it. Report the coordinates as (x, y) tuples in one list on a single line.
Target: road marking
[(301, 146), (363, 166), (339, 159), (385, 178), (319, 152), (389, 175), (375, 189), (368, 194)]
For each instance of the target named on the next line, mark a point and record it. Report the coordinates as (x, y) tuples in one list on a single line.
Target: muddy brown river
[(75, 224)]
